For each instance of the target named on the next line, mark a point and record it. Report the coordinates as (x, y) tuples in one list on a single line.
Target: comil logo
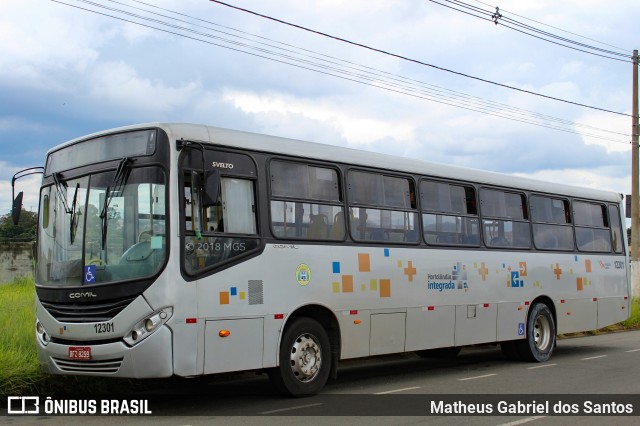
[(23, 405), (81, 295)]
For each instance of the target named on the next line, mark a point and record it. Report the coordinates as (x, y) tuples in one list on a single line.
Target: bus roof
[(336, 154)]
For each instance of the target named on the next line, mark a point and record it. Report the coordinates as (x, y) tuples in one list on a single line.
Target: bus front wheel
[(304, 358), (540, 335)]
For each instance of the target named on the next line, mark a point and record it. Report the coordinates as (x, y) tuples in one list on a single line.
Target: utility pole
[(635, 187)]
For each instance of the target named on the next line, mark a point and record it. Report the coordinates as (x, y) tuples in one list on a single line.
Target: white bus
[(180, 249)]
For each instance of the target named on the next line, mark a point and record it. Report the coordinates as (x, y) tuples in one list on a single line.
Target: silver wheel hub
[(306, 357), (541, 333)]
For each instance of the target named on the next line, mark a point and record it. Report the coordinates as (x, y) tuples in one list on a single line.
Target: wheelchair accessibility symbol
[(89, 274), (520, 329)]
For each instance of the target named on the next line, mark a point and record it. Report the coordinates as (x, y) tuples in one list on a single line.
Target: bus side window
[(592, 227), (505, 220), (238, 207)]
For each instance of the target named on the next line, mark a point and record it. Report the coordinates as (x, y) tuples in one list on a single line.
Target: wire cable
[(499, 18), (559, 29), (364, 76), (418, 61)]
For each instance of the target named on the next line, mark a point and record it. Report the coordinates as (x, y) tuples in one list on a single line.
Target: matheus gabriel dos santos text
[(532, 407)]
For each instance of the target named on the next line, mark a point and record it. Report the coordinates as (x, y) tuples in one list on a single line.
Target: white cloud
[(124, 90), (604, 178), (615, 123), (356, 129)]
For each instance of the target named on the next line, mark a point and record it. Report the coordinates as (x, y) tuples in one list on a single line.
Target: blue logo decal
[(90, 274), (521, 329), (515, 279)]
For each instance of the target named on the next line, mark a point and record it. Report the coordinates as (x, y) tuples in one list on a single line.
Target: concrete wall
[(16, 260)]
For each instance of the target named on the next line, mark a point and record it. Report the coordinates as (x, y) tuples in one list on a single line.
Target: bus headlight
[(42, 334), (145, 327)]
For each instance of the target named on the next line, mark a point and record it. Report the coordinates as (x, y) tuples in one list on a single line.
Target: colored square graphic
[(364, 262), (224, 297), (385, 288), (335, 287), (587, 265), (386, 252), (347, 283), (234, 291), (373, 285), (336, 267)]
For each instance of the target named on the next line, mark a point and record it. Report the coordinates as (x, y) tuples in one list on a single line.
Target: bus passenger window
[(592, 227), (505, 221), (305, 202), (221, 232), (616, 230), (551, 219), (382, 208), (450, 216)]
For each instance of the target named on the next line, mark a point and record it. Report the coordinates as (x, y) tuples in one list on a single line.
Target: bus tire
[(440, 353), (305, 359), (540, 335)]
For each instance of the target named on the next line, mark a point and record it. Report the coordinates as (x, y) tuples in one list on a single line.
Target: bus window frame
[(424, 210), (413, 185), (525, 211), (185, 166), (569, 224), (604, 207), (310, 200)]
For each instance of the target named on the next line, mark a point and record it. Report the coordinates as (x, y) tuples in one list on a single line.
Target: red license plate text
[(80, 352)]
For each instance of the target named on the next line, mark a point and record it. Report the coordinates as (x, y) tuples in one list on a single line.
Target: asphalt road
[(587, 374)]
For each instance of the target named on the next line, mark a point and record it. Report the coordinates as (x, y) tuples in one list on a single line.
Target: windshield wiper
[(119, 181), (63, 197), (69, 210)]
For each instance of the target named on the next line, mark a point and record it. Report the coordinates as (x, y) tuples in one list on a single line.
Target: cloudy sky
[(66, 71)]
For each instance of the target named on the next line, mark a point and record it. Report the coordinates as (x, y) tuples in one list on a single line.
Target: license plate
[(80, 352)]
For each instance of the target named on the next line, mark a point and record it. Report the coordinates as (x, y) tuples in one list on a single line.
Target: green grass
[(634, 320), (20, 372)]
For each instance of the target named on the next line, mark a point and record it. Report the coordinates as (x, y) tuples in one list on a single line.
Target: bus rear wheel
[(540, 335), (304, 358)]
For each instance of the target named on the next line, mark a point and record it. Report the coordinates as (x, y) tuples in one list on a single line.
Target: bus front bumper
[(151, 358)]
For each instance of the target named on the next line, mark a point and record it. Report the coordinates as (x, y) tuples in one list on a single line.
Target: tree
[(25, 230)]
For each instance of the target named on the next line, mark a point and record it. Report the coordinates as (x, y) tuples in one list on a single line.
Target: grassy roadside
[(20, 371)]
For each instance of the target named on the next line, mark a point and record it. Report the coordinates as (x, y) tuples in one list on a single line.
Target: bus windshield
[(101, 228)]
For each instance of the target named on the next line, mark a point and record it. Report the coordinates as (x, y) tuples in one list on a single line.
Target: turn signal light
[(224, 333)]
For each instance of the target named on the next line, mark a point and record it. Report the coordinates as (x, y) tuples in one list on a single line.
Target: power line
[(432, 89), (505, 21), (418, 61), (358, 73), (559, 29)]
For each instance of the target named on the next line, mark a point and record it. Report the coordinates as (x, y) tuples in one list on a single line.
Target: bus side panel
[(355, 331), (387, 333), (576, 315), (245, 352), (476, 323), (430, 327), (612, 310), (512, 319)]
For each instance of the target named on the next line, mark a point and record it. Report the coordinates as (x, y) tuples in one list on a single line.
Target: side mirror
[(16, 208), (211, 188), (17, 201)]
